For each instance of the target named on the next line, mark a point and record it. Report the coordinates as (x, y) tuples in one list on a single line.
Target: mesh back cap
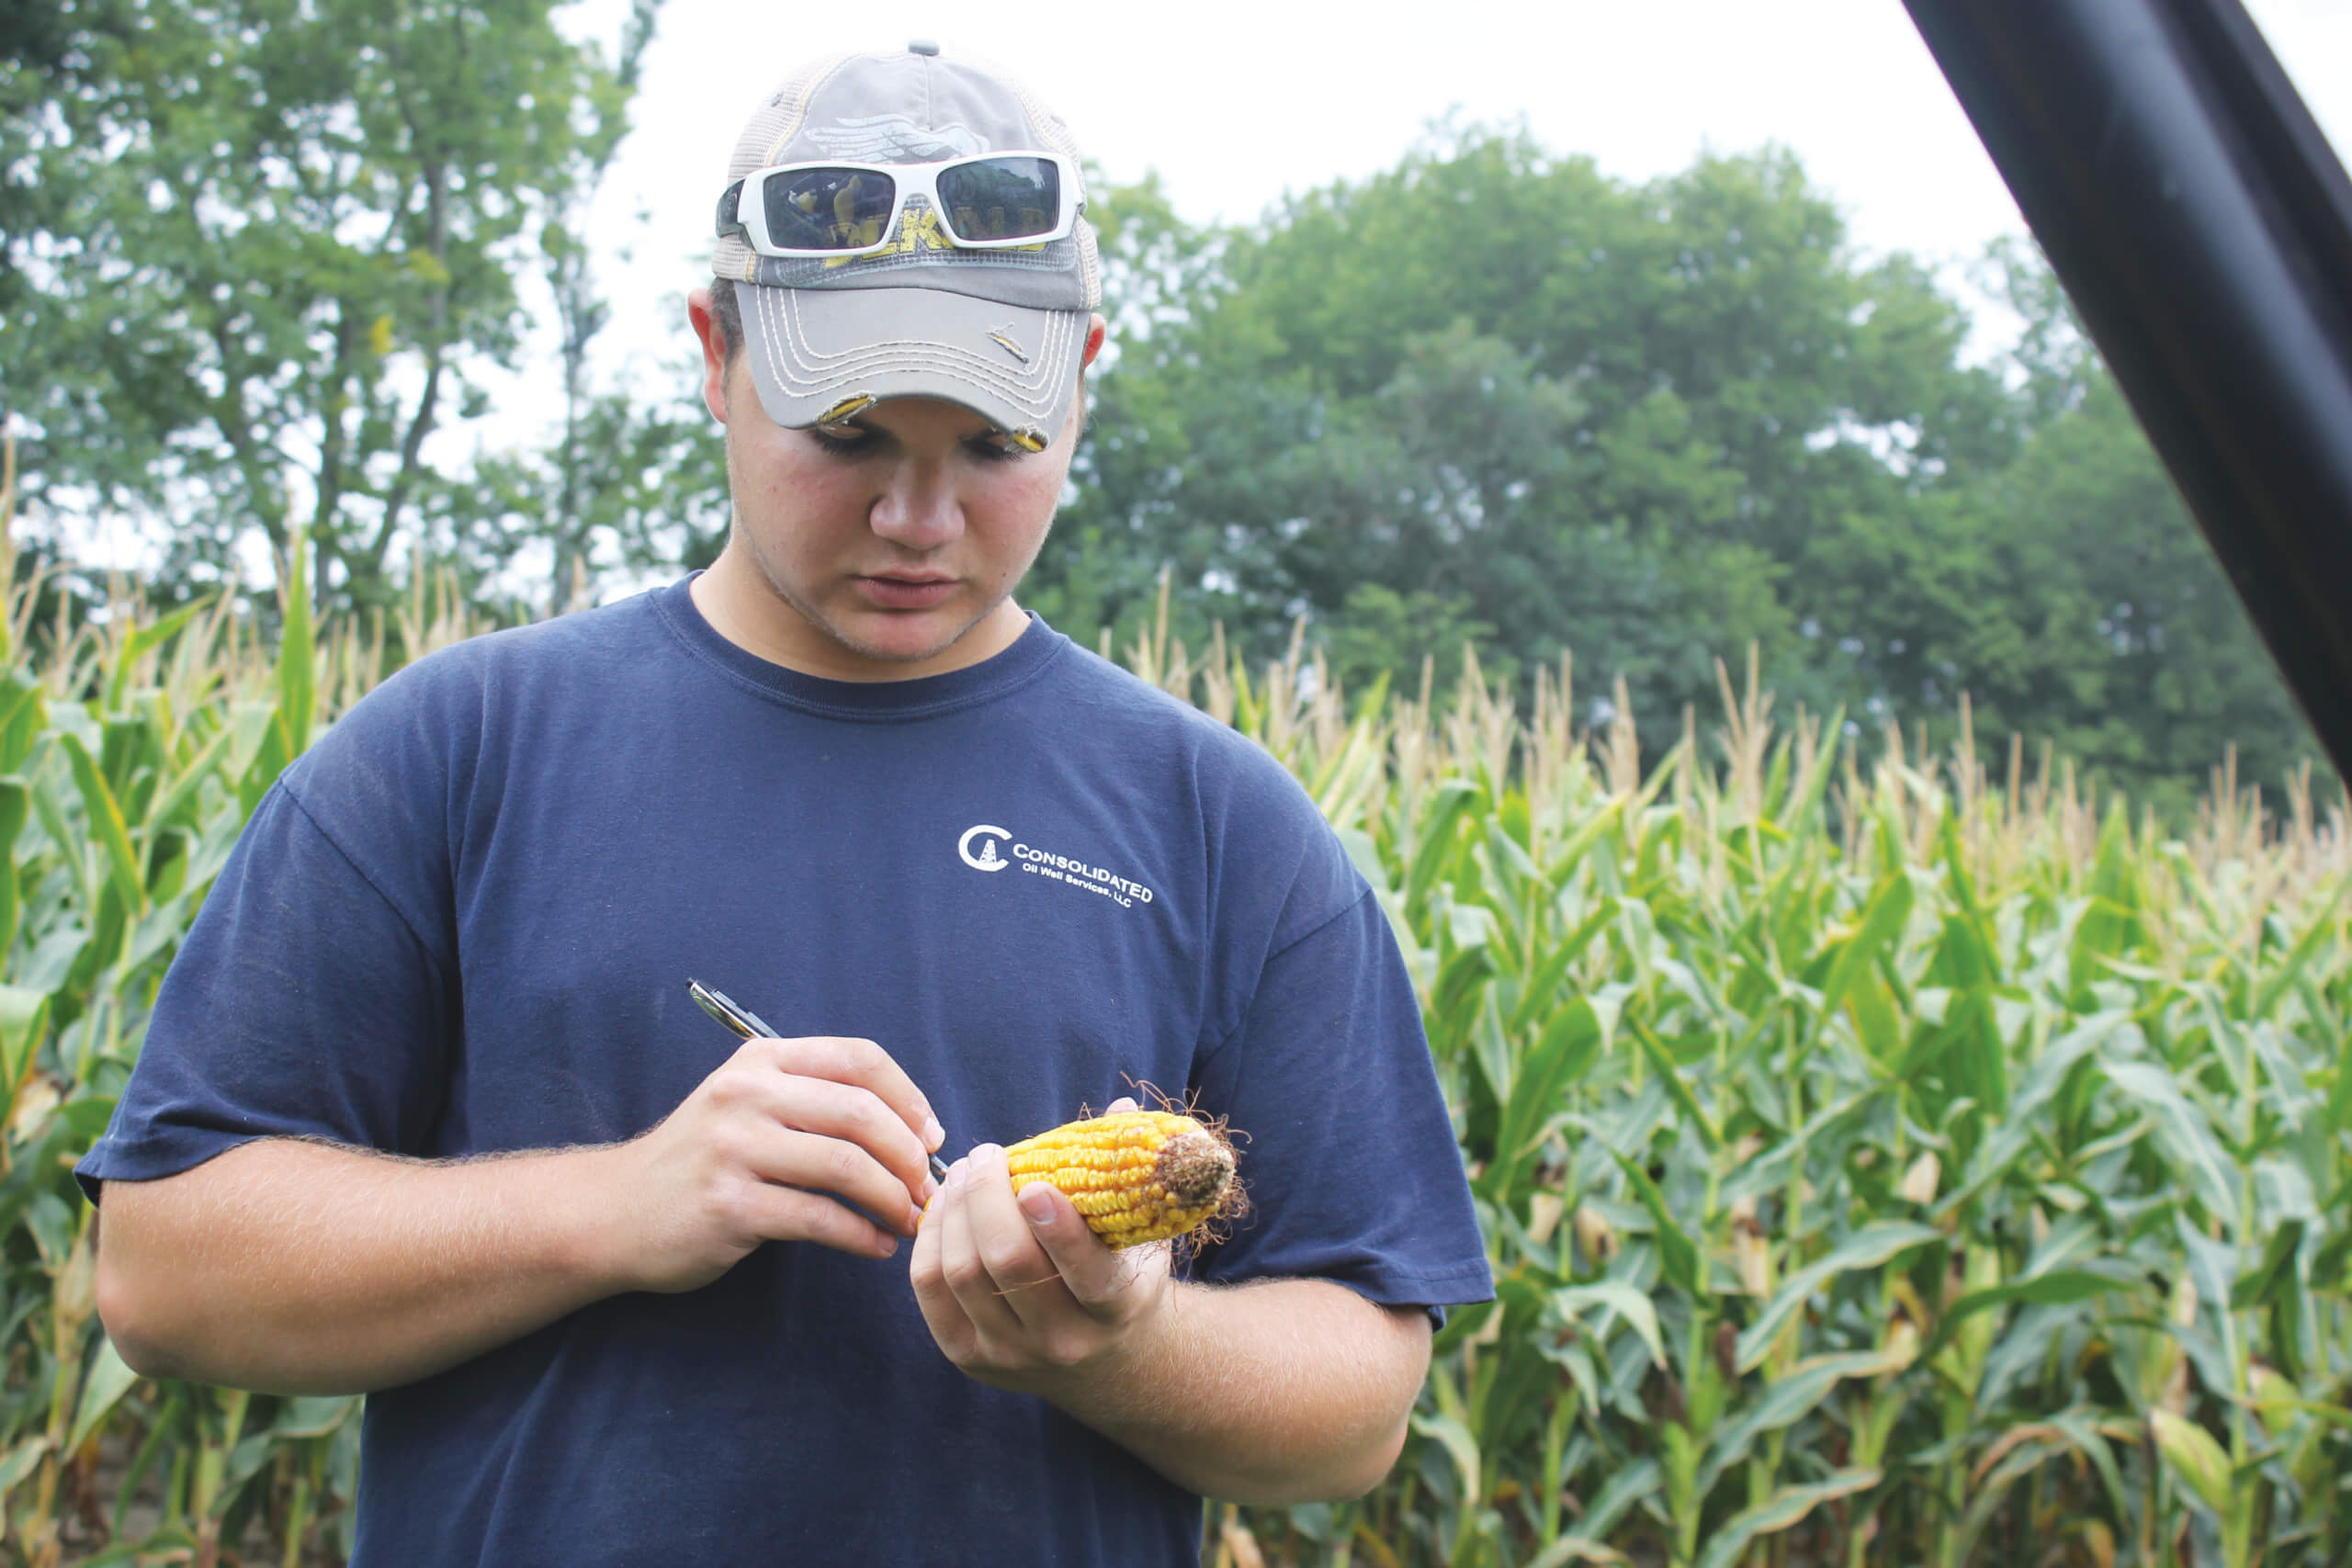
[(999, 331)]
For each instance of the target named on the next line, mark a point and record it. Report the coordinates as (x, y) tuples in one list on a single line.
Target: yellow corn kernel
[(1136, 1175)]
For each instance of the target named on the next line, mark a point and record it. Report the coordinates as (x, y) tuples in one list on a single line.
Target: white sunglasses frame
[(750, 218)]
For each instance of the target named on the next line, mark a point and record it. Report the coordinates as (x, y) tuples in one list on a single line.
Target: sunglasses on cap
[(989, 202)]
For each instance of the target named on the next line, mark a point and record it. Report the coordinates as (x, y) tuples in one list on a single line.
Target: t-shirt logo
[(986, 859), (977, 850)]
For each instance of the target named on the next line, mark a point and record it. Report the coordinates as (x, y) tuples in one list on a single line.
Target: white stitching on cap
[(1059, 330), (922, 353), (823, 366), (804, 370)]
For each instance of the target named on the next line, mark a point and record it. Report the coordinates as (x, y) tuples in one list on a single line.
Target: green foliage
[(1595, 411), (132, 753), (1652, 424), (1877, 1165), (275, 247)]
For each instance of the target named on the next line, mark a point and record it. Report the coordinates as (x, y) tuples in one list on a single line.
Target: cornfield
[(1909, 1163)]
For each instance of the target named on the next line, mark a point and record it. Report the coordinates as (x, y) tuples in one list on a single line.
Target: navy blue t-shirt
[(464, 921)]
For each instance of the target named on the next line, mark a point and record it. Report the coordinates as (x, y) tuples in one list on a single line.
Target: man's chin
[(902, 645)]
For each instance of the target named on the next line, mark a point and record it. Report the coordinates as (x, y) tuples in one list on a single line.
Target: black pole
[(2203, 229)]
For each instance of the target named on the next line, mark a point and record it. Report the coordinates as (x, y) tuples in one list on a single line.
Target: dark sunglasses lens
[(827, 210), (1002, 198)]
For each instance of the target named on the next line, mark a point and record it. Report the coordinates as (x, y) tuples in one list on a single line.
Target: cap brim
[(813, 350)]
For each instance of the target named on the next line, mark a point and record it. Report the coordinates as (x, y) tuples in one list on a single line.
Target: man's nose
[(918, 509)]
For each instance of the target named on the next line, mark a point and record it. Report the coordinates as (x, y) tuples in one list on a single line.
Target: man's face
[(881, 549)]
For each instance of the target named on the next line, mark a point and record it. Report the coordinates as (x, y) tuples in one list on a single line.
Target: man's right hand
[(293, 1266), (775, 1145)]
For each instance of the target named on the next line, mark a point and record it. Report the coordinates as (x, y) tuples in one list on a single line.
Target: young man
[(425, 1109)]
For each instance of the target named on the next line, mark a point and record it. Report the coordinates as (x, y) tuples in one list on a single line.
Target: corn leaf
[(1670, 1074), (1627, 1486), (1543, 983), (190, 778), (1436, 840), (110, 1377), (1575, 1549), (1678, 1255), (2058, 1287), (1787, 1400), (1615, 1296), (2184, 1134), (107, 823), (1459, 1444), (2282, 979), (24, 1018), (1889, 908), (23, 716), (296, 655), (135, 648), (1570, 1041), (15, 803), (2190, 1453), (1783, 1508), (1866, 1248), (22, 1460)]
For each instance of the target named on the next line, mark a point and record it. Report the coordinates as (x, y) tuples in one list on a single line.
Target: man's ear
[(713, 353), (1097, 330)]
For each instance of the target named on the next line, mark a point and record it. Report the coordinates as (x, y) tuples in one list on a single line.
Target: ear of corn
[(1137, 1175)]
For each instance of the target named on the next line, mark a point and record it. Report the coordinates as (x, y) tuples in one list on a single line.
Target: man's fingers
[(1011, 1270), (1088, 1267), (848, 1113), (925, 1269), (789, 1212), (845, 1060), (819, 1164), (755, 1151), (974, 1290)]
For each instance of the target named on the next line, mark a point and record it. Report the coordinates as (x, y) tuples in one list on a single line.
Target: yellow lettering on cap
[(918, 230)]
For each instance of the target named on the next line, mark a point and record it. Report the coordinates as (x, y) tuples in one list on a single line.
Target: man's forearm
[(299, 1268), (1281, 1392), (302, 1268)]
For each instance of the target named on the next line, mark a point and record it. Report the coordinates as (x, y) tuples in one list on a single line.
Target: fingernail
[(915, 1220), (933, 1135), (889, 1246), (1037, 1202), (929, 1189), (959, 1170), (988, 1158)]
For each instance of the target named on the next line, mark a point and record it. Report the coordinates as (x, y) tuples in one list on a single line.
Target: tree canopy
[(253, 253), (1493, 393)]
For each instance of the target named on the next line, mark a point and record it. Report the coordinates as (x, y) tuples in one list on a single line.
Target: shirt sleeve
[(1347, 1158), (303, 1004)]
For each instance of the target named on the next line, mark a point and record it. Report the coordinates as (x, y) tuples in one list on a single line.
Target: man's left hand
[(1016, 1290)]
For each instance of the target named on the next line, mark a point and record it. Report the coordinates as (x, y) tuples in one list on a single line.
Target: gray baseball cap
[(999, 331)]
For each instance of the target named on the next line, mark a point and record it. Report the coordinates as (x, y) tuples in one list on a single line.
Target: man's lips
[(900, 591)]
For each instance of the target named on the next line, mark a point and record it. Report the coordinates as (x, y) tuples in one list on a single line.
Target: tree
[(1653, 424), (1597, 416), (279, 247)]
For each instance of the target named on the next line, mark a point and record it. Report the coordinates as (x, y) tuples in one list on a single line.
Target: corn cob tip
[(1193, 1168)]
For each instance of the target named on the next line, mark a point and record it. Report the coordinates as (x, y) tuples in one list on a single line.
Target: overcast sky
[(1235, 104)]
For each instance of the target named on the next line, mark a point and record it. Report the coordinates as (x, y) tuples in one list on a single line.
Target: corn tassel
[(1136, 1175)]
